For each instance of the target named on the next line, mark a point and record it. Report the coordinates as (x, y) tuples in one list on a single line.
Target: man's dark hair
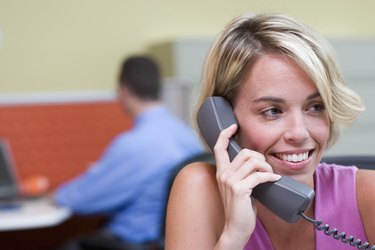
[(141, 75)]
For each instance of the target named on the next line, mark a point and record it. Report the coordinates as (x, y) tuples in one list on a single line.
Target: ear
[(123, 92)]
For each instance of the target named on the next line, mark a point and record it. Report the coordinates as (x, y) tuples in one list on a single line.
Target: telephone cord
[(338, 236)]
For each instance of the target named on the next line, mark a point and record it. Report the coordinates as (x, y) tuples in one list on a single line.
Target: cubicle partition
[(58, 136)]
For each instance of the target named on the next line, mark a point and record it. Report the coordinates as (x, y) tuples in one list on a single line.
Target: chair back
[(360, 161)]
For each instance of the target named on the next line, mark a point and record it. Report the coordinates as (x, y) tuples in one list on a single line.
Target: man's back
[(131, 179)]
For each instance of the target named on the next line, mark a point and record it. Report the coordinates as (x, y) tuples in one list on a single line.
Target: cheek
[(322, 133), (258, 138), (320, 129)]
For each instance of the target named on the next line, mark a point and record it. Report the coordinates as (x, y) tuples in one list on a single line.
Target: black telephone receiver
[(286, 197)]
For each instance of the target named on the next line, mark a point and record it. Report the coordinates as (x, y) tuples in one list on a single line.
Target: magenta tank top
[(335, 205)]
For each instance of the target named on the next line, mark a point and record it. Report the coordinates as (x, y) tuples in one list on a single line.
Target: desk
[(35, 213)]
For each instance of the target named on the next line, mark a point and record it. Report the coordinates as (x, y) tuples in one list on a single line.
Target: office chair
[(360, 161), (102, 244)]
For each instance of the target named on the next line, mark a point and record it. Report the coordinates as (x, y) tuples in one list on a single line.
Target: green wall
[(55, 45)]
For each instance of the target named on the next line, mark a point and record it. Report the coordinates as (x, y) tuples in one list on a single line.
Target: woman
[(290, 101)]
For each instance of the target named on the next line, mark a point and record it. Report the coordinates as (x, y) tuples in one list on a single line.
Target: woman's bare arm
[(195, 213)]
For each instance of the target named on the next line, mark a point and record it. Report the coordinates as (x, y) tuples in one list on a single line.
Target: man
[(130, 181)]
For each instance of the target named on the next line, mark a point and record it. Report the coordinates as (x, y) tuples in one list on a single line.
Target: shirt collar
[(150, 112)]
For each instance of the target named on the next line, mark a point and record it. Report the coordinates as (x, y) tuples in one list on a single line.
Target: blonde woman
[(290, 101)]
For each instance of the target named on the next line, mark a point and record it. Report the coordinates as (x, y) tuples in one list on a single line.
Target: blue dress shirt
[(130, 180)]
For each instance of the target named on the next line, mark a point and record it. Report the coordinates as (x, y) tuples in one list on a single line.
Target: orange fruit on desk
[(35, 185)]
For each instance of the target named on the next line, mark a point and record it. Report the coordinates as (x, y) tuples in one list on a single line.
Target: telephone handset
[(286, 197)]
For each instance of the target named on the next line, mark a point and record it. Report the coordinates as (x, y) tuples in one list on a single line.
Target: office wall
[(78, 44)]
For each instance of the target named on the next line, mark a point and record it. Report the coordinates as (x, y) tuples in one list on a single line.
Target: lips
[(293, 157)]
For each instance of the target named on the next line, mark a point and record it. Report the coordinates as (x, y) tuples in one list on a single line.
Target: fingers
[(220, 148), (222, 157), (247, 176), (246, 185), (260, 177), (221, 153), (247, 167), (246, 154), (252, 165)]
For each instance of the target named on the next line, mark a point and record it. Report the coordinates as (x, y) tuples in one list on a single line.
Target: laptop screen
[(8, 182)]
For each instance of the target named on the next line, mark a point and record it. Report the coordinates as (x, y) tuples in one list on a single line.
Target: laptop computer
[(18, 210), (10, 185), (9, 188)]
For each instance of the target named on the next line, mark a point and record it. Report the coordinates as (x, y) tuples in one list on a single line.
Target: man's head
[(139, 84), (140, 74)]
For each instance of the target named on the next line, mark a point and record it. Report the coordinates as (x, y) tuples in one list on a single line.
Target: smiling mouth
[(294, 157)]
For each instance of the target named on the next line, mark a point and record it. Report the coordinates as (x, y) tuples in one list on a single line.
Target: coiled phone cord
[(335, 234)]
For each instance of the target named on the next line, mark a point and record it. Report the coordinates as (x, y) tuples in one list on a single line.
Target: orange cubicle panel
[(60, 140)]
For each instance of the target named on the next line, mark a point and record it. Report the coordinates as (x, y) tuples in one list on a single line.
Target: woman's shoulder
[(195, 185), (365, 179), (366, 183), (366, 200), (197, 175), (195, 197), (365, 173)]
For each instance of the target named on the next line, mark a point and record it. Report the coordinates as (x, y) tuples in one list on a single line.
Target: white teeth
[(294, 157)]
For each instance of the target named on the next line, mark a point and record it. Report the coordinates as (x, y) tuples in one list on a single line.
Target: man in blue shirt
[(130, 181)]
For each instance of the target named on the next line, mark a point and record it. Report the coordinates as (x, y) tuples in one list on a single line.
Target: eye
[(271, 113), (316, 108)]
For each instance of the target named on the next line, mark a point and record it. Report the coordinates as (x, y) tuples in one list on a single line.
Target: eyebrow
[(280, 100)]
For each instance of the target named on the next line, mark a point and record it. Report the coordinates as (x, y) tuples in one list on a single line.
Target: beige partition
[(357, 60)]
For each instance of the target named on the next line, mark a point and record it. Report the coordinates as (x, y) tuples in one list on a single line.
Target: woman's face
[(282, 116)]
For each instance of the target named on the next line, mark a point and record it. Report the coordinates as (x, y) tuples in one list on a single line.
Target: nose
[(296, 128)]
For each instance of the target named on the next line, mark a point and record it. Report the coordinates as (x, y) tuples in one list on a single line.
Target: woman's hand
[(236, 181)]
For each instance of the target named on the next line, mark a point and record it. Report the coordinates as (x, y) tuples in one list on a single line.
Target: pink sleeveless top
[(335, 205)]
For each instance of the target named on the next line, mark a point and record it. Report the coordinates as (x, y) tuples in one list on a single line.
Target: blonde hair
[(250, 36)]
